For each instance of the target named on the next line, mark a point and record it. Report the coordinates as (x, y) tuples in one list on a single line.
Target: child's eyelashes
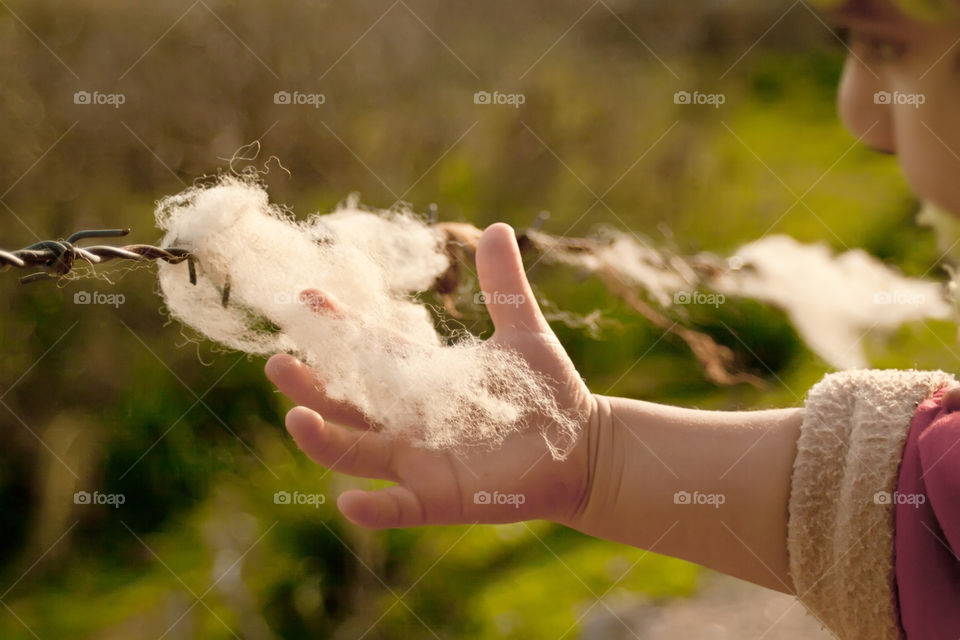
[(885, 49), (881, 49), (875, 47)]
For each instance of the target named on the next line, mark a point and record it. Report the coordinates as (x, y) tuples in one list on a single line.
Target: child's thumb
[(503, 282)]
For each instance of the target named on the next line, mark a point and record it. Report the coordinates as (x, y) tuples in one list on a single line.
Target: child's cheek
[(861, 113)]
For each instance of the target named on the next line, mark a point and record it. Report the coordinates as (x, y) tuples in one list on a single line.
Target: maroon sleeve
[(927, 523)]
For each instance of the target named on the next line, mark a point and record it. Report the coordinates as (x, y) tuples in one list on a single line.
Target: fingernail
[(276, 364)]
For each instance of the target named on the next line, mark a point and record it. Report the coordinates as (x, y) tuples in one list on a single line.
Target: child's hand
[(436, 487)]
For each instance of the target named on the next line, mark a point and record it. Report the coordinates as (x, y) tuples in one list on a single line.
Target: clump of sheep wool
[(384, 355)]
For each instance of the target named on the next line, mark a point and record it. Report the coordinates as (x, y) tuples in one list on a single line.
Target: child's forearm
[(734, 468)]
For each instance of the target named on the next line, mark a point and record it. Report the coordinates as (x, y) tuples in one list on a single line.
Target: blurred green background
[(115, 400)]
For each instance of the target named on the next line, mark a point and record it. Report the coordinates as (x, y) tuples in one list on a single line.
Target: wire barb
[(57, 257)]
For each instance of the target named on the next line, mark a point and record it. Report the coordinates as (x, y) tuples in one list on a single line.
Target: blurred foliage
[(116, 400), (932, 10)]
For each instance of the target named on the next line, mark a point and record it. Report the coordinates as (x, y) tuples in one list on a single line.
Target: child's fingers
[(503, 281), (298, 382), (393, 507), (366, 454), (324, 304), (320, 302)]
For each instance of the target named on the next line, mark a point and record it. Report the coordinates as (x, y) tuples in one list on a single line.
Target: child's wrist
[(592, 465)]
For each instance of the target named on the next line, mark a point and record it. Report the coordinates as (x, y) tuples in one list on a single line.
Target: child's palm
[(515, 481)]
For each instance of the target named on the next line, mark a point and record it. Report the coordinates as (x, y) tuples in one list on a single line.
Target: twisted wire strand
[(56, 258)]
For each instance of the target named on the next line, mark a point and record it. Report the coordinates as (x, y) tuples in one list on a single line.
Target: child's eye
[(879, 48), (886, 49)]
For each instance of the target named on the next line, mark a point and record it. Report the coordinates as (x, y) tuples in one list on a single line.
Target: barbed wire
[(720, 363), (57, 258)]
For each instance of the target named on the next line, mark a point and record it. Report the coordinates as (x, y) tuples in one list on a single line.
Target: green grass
[(124, 380)]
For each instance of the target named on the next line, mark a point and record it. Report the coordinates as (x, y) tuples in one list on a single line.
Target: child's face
[(900, 91)]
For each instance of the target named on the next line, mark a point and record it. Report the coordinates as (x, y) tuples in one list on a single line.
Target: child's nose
[(863, 108)]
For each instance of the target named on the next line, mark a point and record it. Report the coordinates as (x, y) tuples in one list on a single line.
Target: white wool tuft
[(382, 353)]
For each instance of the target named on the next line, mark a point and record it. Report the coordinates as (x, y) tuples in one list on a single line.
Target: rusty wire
[(56, 258)]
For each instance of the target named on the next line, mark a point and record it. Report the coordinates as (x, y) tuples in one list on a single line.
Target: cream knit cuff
[(840, 531)]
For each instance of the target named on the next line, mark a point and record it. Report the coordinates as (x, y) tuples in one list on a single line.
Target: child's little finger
[(393, 507)]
